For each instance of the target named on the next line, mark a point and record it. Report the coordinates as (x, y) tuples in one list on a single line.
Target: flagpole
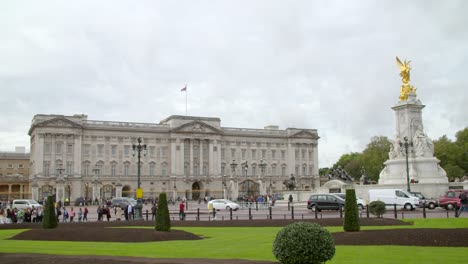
[(186, 100)]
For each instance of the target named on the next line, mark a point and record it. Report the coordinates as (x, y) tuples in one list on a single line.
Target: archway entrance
[(126, 191), (195, 191), (249, 188), (107, 192)]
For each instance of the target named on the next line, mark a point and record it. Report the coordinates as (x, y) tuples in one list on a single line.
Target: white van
[(394, 196), (25, 204)]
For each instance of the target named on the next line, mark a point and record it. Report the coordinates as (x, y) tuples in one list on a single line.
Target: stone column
[(211, 169), (191, 156), (118, 189), (201, 156)]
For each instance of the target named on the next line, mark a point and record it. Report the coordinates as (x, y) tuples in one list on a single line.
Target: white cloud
[(311, 64)]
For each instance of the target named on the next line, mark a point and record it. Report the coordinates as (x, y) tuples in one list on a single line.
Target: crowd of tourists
[(15, 215)]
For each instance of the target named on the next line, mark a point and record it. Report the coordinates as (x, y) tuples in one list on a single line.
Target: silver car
[(221, 204)]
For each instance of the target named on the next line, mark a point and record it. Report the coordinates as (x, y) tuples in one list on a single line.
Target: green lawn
[(246, 243)]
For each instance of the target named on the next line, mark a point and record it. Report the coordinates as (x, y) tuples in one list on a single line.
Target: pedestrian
[(65, 215), (130, 212), (71, 214), (118, 213), (153, 211), (181, 210), (126, 212), (85, 214), (80, 214), (58, 213), (290, 199), (108, 214), (100, 212), (463, 203)]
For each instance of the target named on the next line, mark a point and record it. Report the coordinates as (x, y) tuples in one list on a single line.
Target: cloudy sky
[(328, 65)]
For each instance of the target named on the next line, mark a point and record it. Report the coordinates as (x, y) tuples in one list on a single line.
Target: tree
[(50, 219), (374, 155), (351, 221), (452, 155), (351, 163), (163, 221)]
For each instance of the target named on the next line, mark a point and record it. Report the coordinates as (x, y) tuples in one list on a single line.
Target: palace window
[(46, 148), (114, 150), (58, 148)]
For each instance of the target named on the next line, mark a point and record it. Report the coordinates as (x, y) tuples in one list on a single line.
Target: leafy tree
[(50, 220), (462, 142), (375, 154), (351, 163), (163, 221), (351, 221), (452, 155)]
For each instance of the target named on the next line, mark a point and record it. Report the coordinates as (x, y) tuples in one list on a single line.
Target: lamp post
[(262, 166), (137, 149), (60, 171), (406, 145), (245, 167)]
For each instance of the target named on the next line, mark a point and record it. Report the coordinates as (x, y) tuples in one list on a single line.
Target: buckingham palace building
[(184, 156)]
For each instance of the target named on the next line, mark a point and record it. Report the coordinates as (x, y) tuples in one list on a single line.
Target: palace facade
[(186, 156)]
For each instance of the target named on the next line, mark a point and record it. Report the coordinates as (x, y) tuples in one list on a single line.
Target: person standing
[(85, 214), (181, 210), (130, 212), (80, 214), (65, 215), (153, 211), (71, 214), (463, 203)]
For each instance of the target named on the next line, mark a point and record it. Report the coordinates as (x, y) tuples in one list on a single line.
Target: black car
[(425, 202), (325, 202)]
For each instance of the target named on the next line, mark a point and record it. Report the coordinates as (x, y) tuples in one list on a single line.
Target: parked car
[(360, 202), (425, 202), (325, 202), (221, 204), (450, 200), (25, 204), (398, 197), (123, 202)]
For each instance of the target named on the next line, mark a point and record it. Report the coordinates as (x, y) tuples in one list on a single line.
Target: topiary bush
[(351, 220), (50, 219), (377, 208), (163, 221), (303, 243)]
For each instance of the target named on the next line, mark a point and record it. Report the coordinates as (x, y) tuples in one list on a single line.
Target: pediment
[(304, 134), (59, 122), (197, 127)]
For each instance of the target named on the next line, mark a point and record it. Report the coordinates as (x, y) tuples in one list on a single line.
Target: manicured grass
[(245, 243)]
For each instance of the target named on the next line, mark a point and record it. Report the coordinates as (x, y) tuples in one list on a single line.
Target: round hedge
[(303, 243), (377, 208)]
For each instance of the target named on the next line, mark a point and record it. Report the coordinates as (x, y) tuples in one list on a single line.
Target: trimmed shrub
[(303, 243), (351, 221), (50, 219), (163, 221), (377, 208)]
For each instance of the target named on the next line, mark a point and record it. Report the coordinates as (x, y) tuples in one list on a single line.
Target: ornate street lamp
[(137, 149), (406, 145), (245, 167), (60, 179), (262, 166)]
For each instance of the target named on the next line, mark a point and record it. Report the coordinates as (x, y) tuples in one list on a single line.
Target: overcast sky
[(326, 65)]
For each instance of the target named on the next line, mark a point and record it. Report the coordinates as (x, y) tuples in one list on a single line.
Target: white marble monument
[(412, 151)]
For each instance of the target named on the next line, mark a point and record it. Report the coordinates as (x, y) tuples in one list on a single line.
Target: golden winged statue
[(406, 87)]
